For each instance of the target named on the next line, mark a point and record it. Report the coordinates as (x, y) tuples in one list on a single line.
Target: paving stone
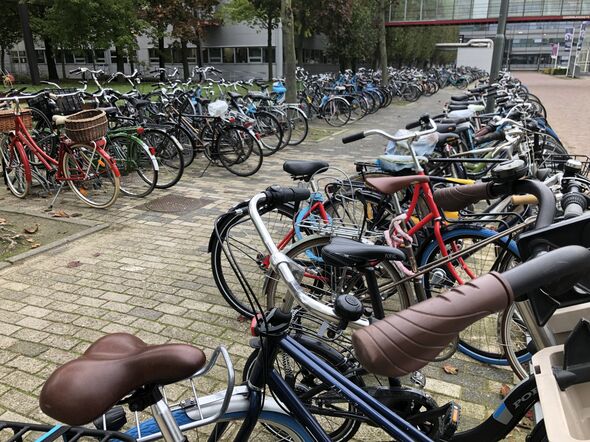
[(27, 348)]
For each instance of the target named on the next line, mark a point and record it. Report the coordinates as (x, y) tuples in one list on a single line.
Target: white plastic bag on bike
[(217, 108)]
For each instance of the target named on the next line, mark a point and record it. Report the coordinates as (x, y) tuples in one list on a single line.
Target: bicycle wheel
[(238, 150), (272, 425), (283, 119), (237, 235), (326, 404), (324, 282), (42, 133), (168, 153), (137, 166), (299, 125), (514, 337), (15, 167), (336, 111), (481, 340), (188, 143), (270, 131), (91, 175)]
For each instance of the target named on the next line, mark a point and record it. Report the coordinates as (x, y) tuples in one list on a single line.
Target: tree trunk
[(161, 59), (130, 55), (383, 43), (289, 51), (63, 64), (300, 37), (184, 56), (269, 47), (199, 52), (51, 66), (120, 59), (2, 65), (23, 13)]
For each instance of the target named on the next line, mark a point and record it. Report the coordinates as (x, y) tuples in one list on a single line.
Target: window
[(99, 55), (255, 55), (176, 54), (228, 55), (192, 55), (18, 56), (153, 55), (204, 56), (214, 55), (265, 58), (40, 55), (79, 57), (241, 55)]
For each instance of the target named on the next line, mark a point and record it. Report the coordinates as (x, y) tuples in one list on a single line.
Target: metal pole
[(498, 51)]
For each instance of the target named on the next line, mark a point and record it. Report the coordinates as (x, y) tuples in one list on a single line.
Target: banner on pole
[(568, 38), (582, 35), (554, 50)]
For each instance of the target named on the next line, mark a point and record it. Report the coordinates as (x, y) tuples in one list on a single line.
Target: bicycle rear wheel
[(238, 150), (270, 131), (299, 125), (138, 167), (15, 168), (91, 175), (168, 152)]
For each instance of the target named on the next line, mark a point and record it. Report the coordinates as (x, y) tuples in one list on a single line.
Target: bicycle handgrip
[(524, 200), (354, 137), (407, 341), (413, 125), (279, 195), (456, 198)]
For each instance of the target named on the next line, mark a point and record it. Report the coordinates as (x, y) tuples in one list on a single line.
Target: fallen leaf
[(96, 255), (30, 240), (242, 318), (2, 221), (75, 215), (504, 390), (59, 214), (72, 264), (32, 230), (449, 369), (34, 246)]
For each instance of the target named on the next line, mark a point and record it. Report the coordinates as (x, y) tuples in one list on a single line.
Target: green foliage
[(10, 33), (555, 71), (263, 14), (417, 45)]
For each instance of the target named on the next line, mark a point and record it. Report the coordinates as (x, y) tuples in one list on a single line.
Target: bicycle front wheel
[(336, 111), (137, 166), (15, 167), (91, 175), (168, 152), (239, 151), (299, 125), (481, 340)]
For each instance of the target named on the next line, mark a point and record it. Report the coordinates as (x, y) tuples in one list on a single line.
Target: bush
[(554, 71)]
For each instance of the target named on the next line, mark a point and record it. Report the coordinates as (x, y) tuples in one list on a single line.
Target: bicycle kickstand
[(56, 195)]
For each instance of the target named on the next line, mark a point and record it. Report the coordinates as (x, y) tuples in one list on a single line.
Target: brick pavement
[(568, 107), (149, 274)]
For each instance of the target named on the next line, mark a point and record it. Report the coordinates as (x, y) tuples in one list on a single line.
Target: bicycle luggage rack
[(27, 431), (558, 162), (202, 410)]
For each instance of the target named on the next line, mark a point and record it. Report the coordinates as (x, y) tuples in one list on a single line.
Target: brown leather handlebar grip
[(524, 200), (408, 340), (456, 198)]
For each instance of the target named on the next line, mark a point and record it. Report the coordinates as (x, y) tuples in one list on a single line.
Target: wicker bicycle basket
[(7, 120), (86, 126)]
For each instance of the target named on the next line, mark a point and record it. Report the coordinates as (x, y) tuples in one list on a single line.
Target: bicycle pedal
[(450, 421)]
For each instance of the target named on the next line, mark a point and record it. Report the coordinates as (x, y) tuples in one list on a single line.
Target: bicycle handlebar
[(361, 135)]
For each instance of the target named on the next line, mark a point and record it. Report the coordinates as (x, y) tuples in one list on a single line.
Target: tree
[(265, 14), (289, 50), (11, 32), (381, 11), (416, 46)]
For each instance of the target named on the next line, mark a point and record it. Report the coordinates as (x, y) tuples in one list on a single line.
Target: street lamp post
[(498, 50)]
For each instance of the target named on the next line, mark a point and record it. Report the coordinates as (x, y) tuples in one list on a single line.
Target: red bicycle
[(85, 166)]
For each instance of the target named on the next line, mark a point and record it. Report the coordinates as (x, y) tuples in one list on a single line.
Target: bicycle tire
[(270, 132), (278, 221), (336, 111), (516, 353), (14, 159), (137, 166), (168, 153), (239, 150), (43, 135), (299, 125), (307, 253), (281, 116), (348, 428), (188, 143), (101, 189), (469, 342)]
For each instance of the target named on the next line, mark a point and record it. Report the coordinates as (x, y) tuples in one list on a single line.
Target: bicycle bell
[(509, 171)]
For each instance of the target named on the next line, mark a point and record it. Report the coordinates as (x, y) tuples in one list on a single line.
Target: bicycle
[(88, 170), (121, 365)]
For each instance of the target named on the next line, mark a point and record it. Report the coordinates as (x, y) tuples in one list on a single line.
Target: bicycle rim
[(14, 166), (514, 337), (299, 125), (481, 340), (168, 154), (134, 161), (90, 176)]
